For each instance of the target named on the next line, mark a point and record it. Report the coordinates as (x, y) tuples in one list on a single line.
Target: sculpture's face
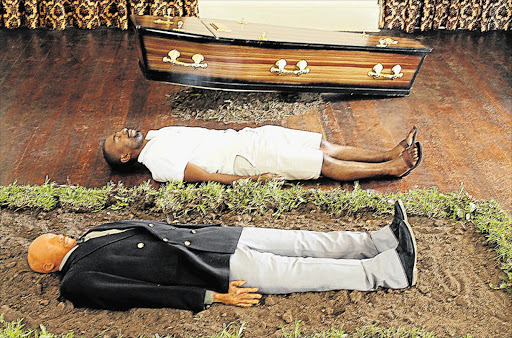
[(47, 252)]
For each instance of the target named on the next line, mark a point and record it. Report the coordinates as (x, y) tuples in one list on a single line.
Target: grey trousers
[(283, 261)]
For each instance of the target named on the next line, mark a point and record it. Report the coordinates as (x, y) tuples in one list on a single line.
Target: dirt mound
[(452, 296), (230, 106)]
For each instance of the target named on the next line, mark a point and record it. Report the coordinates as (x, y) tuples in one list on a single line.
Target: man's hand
[(268, 177), (237, 295)]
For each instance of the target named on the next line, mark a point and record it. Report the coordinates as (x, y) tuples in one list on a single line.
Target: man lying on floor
[(270, 152), (128, 264)]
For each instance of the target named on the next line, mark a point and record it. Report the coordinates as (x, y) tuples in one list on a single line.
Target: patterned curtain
[(89, 14), (483, 15)]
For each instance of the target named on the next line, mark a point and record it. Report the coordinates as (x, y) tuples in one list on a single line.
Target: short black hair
[(115, 163), (111, 160)]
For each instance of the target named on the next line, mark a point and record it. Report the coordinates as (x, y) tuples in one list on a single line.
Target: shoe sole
[(406, 221)]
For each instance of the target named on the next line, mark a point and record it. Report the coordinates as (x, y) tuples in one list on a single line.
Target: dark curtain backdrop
[(58, 14), (482, 15)]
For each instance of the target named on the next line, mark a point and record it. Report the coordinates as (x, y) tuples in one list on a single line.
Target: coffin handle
[(174, 54), (376, 72), (302, 66), (387, 42)]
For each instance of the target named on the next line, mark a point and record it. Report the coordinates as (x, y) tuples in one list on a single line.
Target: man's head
[(123, 147), (47, 252)]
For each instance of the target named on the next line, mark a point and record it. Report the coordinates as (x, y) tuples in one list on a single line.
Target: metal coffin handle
[(376, 72), (387, 42), (302, 66), (174, 54)]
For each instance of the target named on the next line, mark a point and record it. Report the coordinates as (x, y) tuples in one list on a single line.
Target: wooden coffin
[(230, 55)]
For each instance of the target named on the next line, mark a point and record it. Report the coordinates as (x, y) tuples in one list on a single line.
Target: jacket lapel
[(87, 248)]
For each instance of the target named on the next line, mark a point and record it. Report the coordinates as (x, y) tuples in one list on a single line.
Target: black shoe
[(406, 248), (400, 216)]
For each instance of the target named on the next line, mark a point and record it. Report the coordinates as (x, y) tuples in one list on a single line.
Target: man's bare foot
[(409, 140), (407, 161)]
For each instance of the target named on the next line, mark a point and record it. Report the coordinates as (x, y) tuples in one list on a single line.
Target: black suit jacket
[(154, 264)]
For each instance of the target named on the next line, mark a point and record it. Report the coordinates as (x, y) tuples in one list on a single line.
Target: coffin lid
[(246, 33)]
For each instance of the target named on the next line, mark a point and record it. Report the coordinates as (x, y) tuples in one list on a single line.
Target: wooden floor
[(62, 92)]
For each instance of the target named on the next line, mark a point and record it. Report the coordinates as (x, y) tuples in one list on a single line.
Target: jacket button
[(165, 240), (150, 225), (193, 231), (140, 245), (187, 243)]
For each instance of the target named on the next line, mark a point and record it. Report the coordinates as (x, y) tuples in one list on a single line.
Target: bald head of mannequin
[(46, 252)]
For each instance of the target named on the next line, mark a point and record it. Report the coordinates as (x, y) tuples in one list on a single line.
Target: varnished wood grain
[(252, 32), (62, 92), (241, 57), (253, 64)]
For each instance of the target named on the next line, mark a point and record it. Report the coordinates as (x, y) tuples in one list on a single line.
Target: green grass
[(15, 329), (184, 202)]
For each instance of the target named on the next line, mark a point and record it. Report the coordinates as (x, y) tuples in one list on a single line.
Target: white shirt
[(170, 149)]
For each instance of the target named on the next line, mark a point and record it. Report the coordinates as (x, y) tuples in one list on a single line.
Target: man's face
[(47, 252), (123, 143)]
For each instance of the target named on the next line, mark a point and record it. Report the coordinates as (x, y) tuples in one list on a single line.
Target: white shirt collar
[(142, 153), (66, 258)]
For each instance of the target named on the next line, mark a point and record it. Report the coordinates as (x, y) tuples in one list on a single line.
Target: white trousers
[(283, 261)]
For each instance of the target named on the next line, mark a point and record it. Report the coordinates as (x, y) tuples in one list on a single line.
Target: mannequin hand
[(237, 295)]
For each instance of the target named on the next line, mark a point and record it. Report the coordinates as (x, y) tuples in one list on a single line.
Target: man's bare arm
[(194, 173), (237, 295)]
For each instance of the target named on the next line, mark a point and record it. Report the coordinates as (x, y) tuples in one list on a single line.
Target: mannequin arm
[(106, 291)]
